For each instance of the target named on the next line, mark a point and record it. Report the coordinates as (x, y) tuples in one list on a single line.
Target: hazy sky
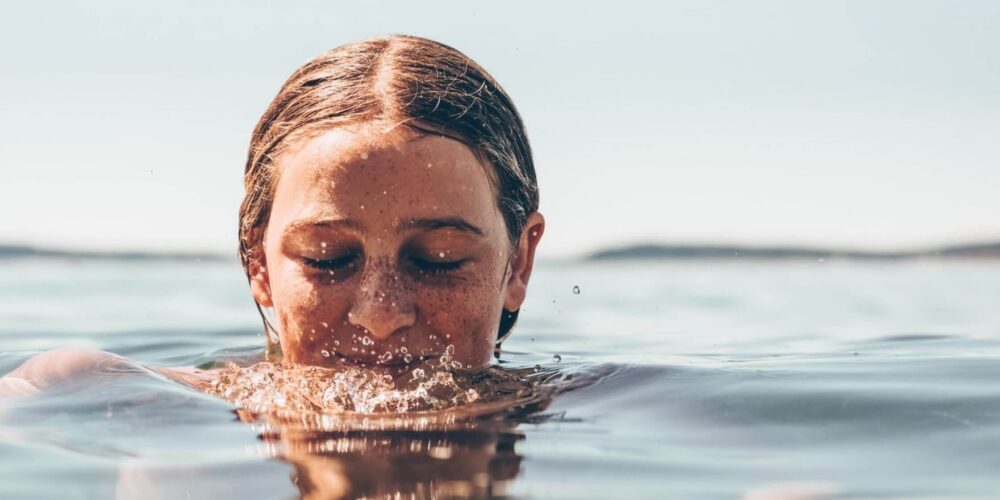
[(125, 124)]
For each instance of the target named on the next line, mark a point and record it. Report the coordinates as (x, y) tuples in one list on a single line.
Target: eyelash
[(437, 268), (330, 264), (424, 266)]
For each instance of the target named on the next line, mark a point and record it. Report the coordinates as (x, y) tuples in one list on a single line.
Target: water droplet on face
[(557, 358), (325, 353), (440, 255), (404, 350), (408, 358), (366, 340), (325, 324), (576, 289)]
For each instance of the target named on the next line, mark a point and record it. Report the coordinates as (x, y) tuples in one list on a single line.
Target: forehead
[(379, 178)]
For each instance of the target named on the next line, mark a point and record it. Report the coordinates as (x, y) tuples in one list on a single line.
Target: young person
[(390, 217)]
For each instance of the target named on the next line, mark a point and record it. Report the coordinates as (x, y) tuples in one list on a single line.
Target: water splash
[(283, 387)]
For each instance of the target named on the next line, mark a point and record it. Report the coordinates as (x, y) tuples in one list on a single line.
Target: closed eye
[(342, 262), (431, 267)]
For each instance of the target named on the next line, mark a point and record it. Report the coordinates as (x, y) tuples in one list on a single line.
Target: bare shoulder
[(44, 371), (52, 367)]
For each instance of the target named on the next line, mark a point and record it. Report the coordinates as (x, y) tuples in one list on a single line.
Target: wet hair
[(404, 80)]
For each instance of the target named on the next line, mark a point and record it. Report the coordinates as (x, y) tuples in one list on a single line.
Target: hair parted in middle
[(403, 80)]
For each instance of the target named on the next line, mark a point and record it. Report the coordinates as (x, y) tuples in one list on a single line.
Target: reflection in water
[(401, 463), (435, 433)]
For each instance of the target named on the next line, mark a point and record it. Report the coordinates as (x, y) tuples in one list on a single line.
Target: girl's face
[(386, 248)]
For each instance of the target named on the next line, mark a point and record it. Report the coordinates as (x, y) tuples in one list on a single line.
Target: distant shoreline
[(652, 251), (9, 252), (644, 251)]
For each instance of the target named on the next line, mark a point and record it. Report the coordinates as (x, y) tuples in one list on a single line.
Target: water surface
[(705, 379)]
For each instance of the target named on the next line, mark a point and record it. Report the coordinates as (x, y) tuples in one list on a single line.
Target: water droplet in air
[(557, 358), (576, 289)]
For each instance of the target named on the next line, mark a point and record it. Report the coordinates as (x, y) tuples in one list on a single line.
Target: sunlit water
[(709, 379)]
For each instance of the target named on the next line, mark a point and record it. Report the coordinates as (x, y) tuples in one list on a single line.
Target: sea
[(647, 379)]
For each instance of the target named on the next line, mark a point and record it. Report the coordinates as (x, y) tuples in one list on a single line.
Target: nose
[(382, 306)]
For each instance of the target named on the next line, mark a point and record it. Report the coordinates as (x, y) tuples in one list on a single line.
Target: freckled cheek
[(465, 316), (309, 314)]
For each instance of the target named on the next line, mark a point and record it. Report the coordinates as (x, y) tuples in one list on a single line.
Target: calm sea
[(707, 379)]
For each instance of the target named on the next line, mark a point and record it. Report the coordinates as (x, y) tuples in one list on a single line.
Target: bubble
[(576, 289), (385, 357)]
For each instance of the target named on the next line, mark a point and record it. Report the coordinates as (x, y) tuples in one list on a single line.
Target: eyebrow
[(456, 223), (333, 223)]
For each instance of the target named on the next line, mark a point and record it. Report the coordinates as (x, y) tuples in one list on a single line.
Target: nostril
[(381, 318)]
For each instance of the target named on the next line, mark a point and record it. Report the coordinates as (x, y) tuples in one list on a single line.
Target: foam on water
[(266, 387)]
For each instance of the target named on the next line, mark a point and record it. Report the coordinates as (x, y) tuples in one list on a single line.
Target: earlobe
[(517, 284), (260, 286)]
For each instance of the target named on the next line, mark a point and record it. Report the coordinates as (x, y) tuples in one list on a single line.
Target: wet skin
[(385, 247)]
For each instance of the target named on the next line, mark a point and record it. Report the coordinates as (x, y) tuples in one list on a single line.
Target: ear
[(517, 283), (260, 282)]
